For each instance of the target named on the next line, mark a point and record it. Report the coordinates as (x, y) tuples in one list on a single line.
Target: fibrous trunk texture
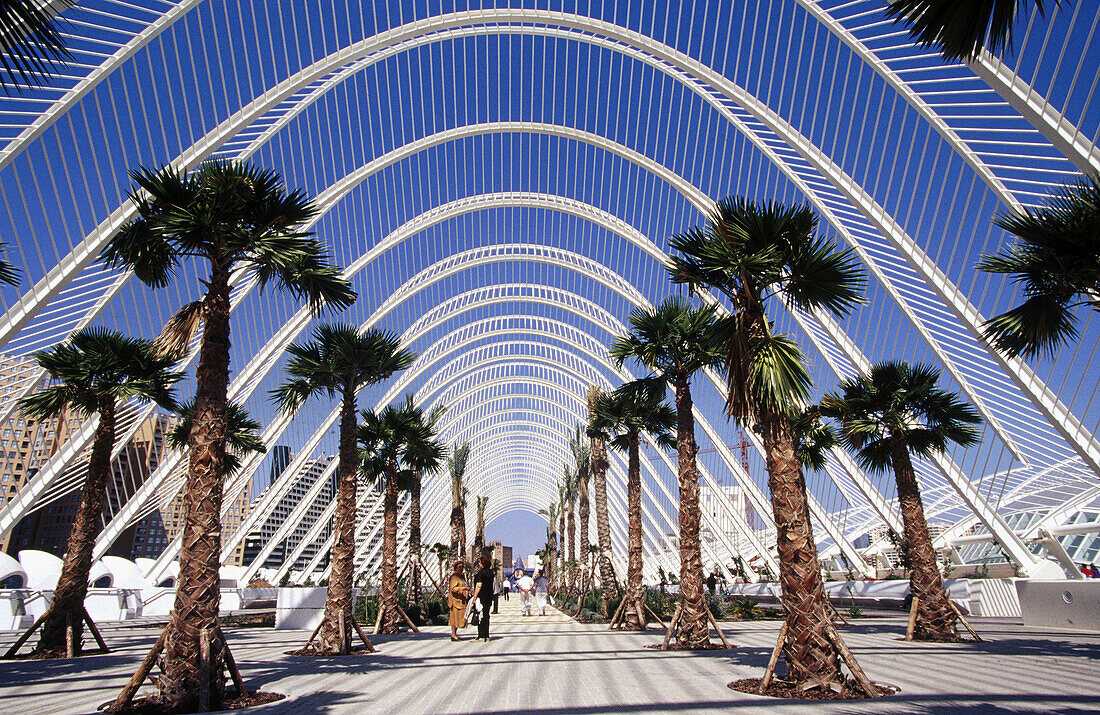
[(198, 595), (414, 540), (812, 659), (583, 509), (694, 629), (609, 588), (67, 606), (340, 596), (935, 618), (391, 620), (635, 589), (571, 539)]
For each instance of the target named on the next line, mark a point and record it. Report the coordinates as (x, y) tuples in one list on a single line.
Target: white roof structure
[(500, 181)]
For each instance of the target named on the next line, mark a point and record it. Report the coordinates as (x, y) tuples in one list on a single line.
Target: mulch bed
[(250, 620), (146, 706), (678, 646), (55, 655), (790, 691), (311, 653)]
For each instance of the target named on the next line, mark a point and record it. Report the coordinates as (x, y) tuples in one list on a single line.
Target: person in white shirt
[(526, 586), (542, 591)]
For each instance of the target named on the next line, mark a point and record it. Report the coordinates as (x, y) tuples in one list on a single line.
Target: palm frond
[(961, 30), (31, 44), (180, 330)]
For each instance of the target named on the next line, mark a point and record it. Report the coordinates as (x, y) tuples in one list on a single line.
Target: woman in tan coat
[(458, 596)]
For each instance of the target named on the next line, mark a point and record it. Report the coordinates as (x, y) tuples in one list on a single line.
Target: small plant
[(744, 609), (854, 611), (902, 548), (714, 603), (948, 567)]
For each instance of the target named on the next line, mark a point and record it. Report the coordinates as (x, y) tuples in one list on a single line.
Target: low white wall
[(113, 604), (13, 610), (1060, 604), (981, 597), (300, 607)]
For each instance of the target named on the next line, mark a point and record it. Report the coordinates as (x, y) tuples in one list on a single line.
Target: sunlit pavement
[(552, 664)]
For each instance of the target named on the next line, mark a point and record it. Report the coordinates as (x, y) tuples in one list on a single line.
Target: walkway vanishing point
[(555, 665)]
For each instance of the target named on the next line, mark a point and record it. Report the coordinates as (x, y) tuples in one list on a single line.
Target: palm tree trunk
[(391, 621), (67, 605), (414, 541), (583, 509), (935, 618), (571, 536), (551, 564), (609, 588), (458, 529), (694, 631), (479, 534), (635, 589), (559, 552), (811, 656), (198, 595), (341, 582)]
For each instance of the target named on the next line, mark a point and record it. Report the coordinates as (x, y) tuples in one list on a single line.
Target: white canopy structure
[(500, 181)]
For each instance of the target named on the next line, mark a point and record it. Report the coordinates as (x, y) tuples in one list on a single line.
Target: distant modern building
[(500, 553), (313, 470)]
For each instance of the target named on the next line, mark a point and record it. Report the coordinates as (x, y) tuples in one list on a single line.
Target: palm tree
[(896, 409), (559, 561), (339, 362), (424, 455), (677, 340), (456, 466), (622, 417), (385, 439), (1057, 262), (750, 252), (581, 448), (569, 489), (609, 587), (32, 46), (551, 512), (241, 434), (442, 554), (92, 373), (479, 529), (236, 217), (961, 30)]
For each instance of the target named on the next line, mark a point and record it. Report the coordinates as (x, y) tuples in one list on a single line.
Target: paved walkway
[(554, 665)]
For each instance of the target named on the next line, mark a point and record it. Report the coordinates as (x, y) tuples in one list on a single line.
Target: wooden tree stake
[(26, 635), (95, 632), (204, 670), (850, 660), (315, 631), (231, 664), (714, 622), (70, 636), (344, 640), (615, 618), (408, 620), (378, 623), (138, 678), (912, 618), (671, 627), (966, 625), (774, 660), (363, 636), (655, 616)]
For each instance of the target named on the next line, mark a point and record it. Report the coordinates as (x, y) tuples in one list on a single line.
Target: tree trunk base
[(788, 690), (67, 650)]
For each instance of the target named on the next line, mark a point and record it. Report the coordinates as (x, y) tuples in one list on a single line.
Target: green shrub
[(744, 609)]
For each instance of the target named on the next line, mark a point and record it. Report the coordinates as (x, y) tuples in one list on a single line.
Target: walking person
[(526, 586), (542, 591), (483, 592), (507, 588), (458, 594), (496, 592)]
